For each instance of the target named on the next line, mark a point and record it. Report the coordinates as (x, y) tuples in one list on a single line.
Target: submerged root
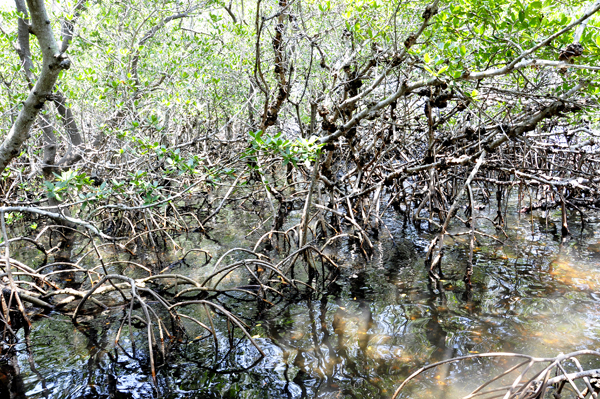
[(164, 304), (531, 377)]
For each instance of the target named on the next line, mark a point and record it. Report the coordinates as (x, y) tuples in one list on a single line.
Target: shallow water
[(358, 336)]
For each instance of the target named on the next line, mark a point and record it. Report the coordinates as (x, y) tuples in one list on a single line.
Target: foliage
[(167, 94), (164, 113), (291, 151)]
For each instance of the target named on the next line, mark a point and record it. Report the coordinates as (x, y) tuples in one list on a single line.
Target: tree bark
[(53, 62)]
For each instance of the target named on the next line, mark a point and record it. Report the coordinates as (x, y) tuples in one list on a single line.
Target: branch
[(271, 112), (58, 216), (581, 28), (231, 14), (149, 35), (403, 90), (514, 64), (53, 62), (413, 37), (23, 46), (67, 26)]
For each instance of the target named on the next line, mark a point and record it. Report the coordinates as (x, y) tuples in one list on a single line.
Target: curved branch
[(54, 61)]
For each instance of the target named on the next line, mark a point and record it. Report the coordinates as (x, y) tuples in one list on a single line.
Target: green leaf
[(430, 71)]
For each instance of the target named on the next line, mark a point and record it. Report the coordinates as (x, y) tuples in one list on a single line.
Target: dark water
[(359, 335)]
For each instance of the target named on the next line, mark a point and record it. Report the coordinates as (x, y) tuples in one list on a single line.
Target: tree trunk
[(53, 62)]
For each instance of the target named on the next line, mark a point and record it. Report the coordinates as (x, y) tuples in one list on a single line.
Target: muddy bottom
[(358, 335)]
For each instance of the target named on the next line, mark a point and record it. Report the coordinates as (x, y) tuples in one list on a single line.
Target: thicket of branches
[(134, 121)]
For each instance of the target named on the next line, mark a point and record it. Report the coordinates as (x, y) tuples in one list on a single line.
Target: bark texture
[(53, 62)]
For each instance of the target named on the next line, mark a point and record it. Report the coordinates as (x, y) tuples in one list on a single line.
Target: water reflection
[(358, 337)]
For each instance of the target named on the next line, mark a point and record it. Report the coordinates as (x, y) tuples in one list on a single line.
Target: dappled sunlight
[(582, 275)]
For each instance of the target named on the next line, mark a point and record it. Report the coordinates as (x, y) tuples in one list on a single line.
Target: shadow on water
[(358, 336)]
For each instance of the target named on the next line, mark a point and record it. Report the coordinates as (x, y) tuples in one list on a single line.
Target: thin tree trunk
[(54, 61)]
